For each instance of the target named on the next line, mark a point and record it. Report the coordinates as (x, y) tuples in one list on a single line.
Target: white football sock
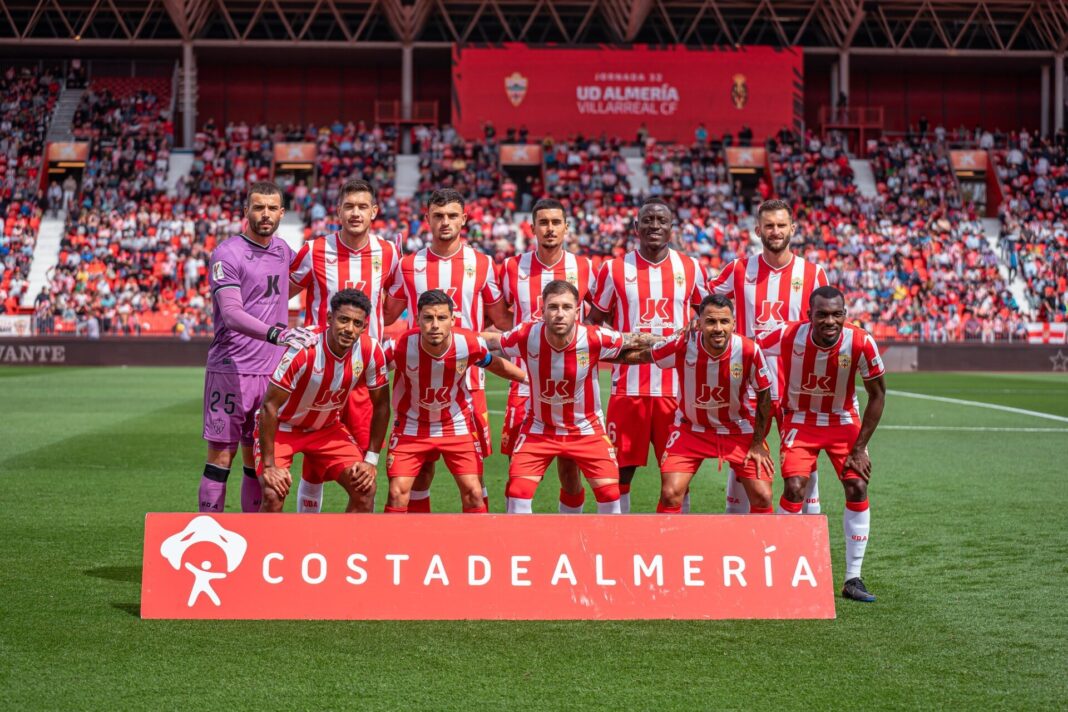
[(737, 499), (565, 509), (624, 504), (520, 506), (811, 503), (419, 494), (855, 525), (309, 496), (613, 507)]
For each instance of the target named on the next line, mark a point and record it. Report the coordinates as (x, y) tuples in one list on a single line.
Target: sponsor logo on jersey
[(217, 271)]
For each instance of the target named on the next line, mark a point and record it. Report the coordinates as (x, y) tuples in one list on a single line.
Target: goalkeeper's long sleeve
[(235, 317)]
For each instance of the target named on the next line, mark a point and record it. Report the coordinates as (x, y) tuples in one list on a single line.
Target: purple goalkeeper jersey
[(262, 275)]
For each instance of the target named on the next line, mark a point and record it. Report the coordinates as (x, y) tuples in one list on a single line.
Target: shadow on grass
[(134, 609), (126, 574)]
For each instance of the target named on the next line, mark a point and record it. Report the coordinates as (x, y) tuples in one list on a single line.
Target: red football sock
[(396, 510), (662, 508), (608, 493), (792, 507), (419, 506), (573, 500), (760, 510), (476, 510)]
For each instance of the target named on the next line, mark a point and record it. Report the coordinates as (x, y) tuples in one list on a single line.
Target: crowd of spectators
[(1034, 219), (27, 98), (913, 259)]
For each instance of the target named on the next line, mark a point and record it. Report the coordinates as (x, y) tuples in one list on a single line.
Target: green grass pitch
[(969, 557)]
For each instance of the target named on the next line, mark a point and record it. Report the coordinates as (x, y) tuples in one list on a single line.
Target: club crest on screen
[(515, 85)]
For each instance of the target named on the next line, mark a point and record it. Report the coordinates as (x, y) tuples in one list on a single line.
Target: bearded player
[(302, 409), (649, 290), (716, 369), (352, 258), (561, 358), (769, 290), (433, 402), (467, 277), (522, 281), (819, 361), (247, 274)]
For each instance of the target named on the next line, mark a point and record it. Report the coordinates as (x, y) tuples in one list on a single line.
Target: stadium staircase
[(45, 255), (406, 181), (180, 165), (1018, 286), (292, 231), (62, 125), (863, 177), (639, 179)]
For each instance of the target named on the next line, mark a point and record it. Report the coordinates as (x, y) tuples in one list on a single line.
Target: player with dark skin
[(655, 232), (716, 325), (827, 317), (346, 325)]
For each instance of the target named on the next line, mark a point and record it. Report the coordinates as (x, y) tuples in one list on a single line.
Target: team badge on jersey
[(679, 279), (469, 271), (461, 366), (582, 359), (572, 278), (736, 371), (843, 360), (357, 369), (376, 264), (796, 285)]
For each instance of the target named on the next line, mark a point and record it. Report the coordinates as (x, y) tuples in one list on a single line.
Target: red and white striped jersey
[(818, 385), (325, 266), (766, 298), (467, 277), (319, 382), (714, 388), (652, 298), (430, 393), (565, 390), (524, 277)]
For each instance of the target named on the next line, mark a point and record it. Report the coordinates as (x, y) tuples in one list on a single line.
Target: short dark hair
[(262, 187), (444, 197), (772, 205), (656, 200), (356, 185), (718, 301), (434, 298), (352, 298), (546, 204), (825, 292), (559, 286)]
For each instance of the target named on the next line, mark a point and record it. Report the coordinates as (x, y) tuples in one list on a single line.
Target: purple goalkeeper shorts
[(231, 401)]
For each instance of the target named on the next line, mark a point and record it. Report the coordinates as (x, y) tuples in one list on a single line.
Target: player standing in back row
[(351, 258), (650, 290), (467, 277), (248, 274), (769, 290), (522, 281)]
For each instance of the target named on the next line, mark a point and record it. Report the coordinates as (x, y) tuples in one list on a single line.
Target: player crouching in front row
[(561, 358), (716, 418), (301, 410), (434, 405)]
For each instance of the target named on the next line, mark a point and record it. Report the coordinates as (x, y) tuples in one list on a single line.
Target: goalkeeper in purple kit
[(249, 278)]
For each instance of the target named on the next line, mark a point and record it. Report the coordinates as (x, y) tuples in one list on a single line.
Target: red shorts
[(480, 412), (356, 415), (635, 421), (594, 454), (686, 450), (327, 451), (514, 415), (407, 453), (801, 445)]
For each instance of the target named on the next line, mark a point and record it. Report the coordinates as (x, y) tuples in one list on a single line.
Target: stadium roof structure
[(916, 27)]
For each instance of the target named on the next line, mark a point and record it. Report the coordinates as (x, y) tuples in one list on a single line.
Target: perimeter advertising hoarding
[(612, 90), (456, 567)]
